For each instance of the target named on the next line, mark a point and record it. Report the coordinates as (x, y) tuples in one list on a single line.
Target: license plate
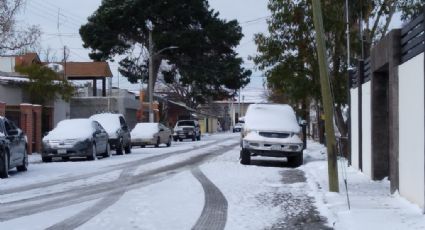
[(61, 151), (276, 147)]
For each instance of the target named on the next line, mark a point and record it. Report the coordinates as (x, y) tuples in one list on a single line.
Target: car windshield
[(186, 123), (110, 122)]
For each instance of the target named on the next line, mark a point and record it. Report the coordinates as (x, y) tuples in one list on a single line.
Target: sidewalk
[(372, 204)]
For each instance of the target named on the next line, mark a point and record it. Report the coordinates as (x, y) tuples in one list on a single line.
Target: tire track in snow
[(140, 162), (109, 191), (214, 213)]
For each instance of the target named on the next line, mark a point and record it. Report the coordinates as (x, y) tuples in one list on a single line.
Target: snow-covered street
[(193, 185)]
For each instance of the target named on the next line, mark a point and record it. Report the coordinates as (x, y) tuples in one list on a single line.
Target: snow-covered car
[(238, 127), (150, 134), (76, 138), (187, 129), (13, 152), (271, 130), (117, 129)]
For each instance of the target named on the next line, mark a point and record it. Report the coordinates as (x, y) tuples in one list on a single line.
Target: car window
[(122, 121), (8, 126), (186, 123)]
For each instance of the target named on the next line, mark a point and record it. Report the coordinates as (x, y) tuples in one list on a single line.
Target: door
[(162, 133), (16, 145), (101, 138)]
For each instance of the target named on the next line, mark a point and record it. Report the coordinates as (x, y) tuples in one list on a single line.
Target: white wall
[(367, 129), (354, 128), (61, 111), (7, 64), (411, 130)]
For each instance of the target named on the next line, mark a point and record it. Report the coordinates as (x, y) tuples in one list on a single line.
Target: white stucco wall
[(61, 111), (367, 129), (354, 128), (7, 64), (11, 95), (411, 130)]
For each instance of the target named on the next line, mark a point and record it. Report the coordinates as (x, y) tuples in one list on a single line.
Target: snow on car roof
[(271, 117), (71, 129), (109, 121), (144, 130)]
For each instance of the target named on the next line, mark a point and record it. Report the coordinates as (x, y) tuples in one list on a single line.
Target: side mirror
[(13, 132)]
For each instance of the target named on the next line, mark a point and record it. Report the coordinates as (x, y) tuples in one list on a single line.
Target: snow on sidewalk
[(372, 204)]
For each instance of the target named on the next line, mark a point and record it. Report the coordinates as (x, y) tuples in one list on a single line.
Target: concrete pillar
[(27, 124), (103, 87), (2, 109), (37, 119)]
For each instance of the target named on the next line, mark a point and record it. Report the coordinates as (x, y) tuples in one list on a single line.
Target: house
[(387, 101)]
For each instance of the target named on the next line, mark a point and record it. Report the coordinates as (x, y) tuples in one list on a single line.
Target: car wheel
[(180, 139), (127, 149), (193, 137), (107, 152), (4, 169), (175, 139), (65, 158), (245, 157), (119, 148), (296, 161), (46, 159), (24, 166), (93, 156), (142, 146), (169, 142), (158, 142)]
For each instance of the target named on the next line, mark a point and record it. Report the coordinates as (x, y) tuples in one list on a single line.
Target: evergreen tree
[(205, 58)]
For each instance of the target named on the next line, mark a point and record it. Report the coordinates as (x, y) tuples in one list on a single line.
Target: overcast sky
[(61, 19)]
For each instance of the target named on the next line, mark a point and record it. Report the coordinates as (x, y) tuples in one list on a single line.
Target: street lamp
[(151, 57)]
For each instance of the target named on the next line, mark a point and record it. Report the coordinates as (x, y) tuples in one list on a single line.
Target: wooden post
[(326, 97)]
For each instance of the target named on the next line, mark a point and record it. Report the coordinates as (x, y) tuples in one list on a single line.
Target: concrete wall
[(411, 130), (11, 95), (367, 129), (354, 130), (61, 111), (87, 106)]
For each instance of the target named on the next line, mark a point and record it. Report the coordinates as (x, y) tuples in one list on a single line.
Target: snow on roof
[(271, 117), (71, 129), (144, 130), (109, 121)]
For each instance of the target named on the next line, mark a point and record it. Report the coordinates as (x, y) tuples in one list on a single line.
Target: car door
[(162, 133), (99, 136), (15, 149)]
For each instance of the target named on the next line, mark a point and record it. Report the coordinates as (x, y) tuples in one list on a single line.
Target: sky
[(60, 21)]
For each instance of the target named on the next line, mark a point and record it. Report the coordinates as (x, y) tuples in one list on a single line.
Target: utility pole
[(64, 62), (150, 83), (327, 97)]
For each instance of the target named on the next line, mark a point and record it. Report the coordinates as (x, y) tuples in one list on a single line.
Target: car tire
[(4, 169), (107, 152), (175, 139), (24, 166), (169, 142), (142, 146), (158, 142), (65, 158), (245, 157), (46, 159), (193, 137), (296, 161), (93, 155), (119, 148), (180, 139), (127, 149)]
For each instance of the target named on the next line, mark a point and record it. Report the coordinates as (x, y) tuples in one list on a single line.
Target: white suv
[(271, 130)]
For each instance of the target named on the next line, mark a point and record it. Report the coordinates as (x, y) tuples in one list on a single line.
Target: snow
[(271, 117), (71, 129), (144, 130), (109, 121), (372, 204)]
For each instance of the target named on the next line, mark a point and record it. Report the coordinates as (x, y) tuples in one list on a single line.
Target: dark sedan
[(13, 143), (76, 138)]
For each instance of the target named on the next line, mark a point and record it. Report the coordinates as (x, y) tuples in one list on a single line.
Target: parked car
[(13, 148), (150, 134), (271, 130), (238, 127), (76, 138), (187, 129), (118, 131)]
